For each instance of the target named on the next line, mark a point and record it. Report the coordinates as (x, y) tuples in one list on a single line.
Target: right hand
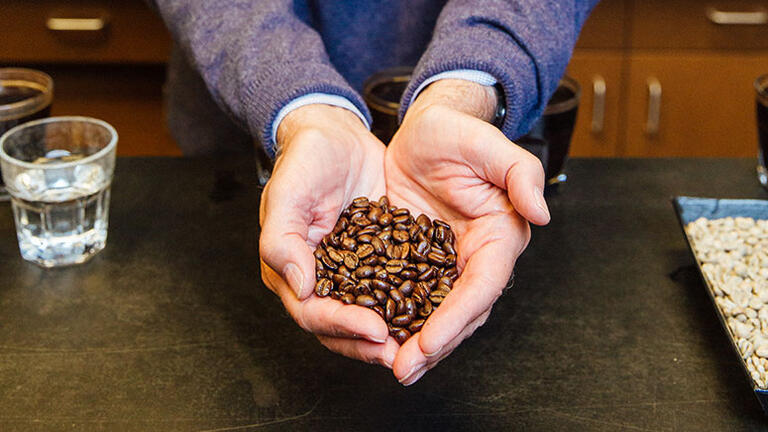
[(327, 158)]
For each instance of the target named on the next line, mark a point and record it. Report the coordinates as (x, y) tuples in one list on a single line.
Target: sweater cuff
[(315, 98), (497, 53)]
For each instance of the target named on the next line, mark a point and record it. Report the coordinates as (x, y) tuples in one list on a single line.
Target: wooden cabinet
[(106, 58), (707, 104), (682, 77), (597, 125)]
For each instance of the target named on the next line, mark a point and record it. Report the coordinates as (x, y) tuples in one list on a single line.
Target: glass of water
[(59, 171)]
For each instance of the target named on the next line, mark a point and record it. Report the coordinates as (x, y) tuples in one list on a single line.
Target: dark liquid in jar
[(13, 94), (762, 131), (556, 131)]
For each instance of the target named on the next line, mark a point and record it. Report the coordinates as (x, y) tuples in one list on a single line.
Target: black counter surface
[(608, 326)]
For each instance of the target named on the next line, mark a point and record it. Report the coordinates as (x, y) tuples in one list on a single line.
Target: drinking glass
[(25, 94), (58, 172), (761, 90)]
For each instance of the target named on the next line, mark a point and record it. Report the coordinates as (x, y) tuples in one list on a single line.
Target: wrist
[(319, 118), (471, 98)]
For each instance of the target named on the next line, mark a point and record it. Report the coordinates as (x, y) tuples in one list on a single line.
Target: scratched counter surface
[(170, 328)]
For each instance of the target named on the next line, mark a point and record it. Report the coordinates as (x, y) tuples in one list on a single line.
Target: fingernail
[(414, 370), (416, 376), (437, 352), (375, 339), (541, 203), (294, 278)]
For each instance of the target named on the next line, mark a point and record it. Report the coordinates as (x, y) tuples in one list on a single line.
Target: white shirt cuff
[(476, 76), (315, 98)]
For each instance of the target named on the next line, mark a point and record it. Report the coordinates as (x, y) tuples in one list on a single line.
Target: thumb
[(510, 167), (283, 240)]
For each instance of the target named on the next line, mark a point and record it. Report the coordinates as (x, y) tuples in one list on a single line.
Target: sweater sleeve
[(524, 44), (255, 57)]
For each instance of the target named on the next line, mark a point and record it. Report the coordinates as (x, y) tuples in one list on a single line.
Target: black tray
[(691, 208)]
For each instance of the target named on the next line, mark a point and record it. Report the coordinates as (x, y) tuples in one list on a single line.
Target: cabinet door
[(597, 125), (707, 104), (128, 97)]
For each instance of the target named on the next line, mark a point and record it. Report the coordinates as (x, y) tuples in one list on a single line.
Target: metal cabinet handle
[(76, 24), (654, 107), (756, 17), (598, 104)]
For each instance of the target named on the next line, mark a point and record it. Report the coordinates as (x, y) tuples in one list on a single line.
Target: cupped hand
[(448, 162), (326, 159)]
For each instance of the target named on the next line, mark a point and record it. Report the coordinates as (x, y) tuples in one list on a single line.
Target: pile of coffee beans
[(381, 257)]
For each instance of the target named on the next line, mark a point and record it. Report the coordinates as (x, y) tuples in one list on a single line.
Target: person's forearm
[(255, 57), (468, 97), (524, 44)]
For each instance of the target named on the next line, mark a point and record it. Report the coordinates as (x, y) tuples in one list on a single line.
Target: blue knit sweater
[(255, 56)]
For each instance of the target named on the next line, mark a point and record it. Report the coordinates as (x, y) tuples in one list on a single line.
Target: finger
[(484, 277), (411, 363), (325, 316), (500, 161), (283, 241), (369, 352)]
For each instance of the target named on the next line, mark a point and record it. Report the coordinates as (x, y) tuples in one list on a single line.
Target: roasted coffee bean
[(379, 310), (450, 260), (445, 280), (364, 238), (439, 234), (437, 258), (344, 271), (413, 232), (425, 288), (401, 335), (418, 298), (395, 266), (382, 260), (323, 287), (400, 219), (448, 248), (409, 274), (410, 307), (364, 272), (349, 244), (337, 279), (374, 214), (370, 230), (319, 265), (401, 320), (442, 287), (430, 234), (401, 227), (360, 202), (360, 220), (351, 260), (363, 287), (340, 226), (426, 310), (351, 231), (394, 280), (385, 235), (384, 202), (391, 252), (428, 274), (405, 251), (385, 219), (424, 222), (400, 308), (416, 325), (329, 262), (347, 286), (335, 255), (335, 295), (380, 285), (401, 236), (437, 296), (430, 284), (319, 253), (319, 274), (364, 251), (378, 246), (348, 298), (381, 275), (381, 296), (370, 261), (389, 310), (402, 211), (406, 288), (365, 300), (396, 295)]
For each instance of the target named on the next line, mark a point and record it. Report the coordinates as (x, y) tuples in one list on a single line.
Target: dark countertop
[(170, 328)]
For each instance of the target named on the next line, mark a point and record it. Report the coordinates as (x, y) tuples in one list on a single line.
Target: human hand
[(326, 159), (448, 162)]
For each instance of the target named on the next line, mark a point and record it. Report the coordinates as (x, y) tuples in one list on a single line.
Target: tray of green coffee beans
[(384, 258)]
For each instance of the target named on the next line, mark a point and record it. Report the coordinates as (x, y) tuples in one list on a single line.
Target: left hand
[(448, 162)]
